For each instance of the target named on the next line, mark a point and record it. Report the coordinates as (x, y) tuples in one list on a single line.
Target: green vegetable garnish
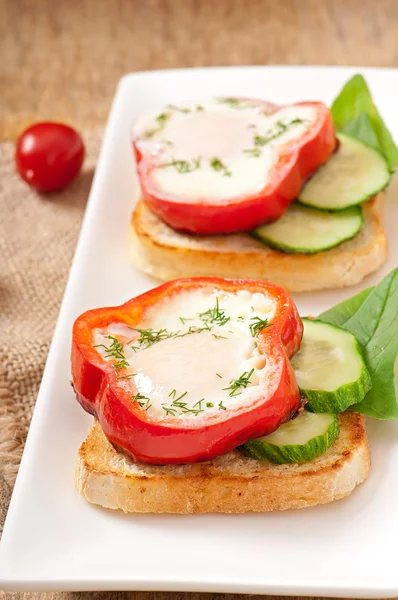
[(275, 132), (183, 407), (182, 166), (214, 316), (236, 386), (258, 325), (232, 102), (116, 351), (143, 401), (218, 165), (355, 114), (180, 109), (341, 313), (372, 316)]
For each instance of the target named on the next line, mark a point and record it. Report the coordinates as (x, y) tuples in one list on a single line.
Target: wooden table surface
[(62, 60)]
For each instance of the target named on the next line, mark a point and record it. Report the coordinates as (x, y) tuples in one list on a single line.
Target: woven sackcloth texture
[(38, 234)]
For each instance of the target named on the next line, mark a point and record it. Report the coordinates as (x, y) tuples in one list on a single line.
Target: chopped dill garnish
[(209, 405), (145, 405), (218, 165), (139, 396), (199, 403), (218, 337), (177, 405), (148, 337), (184, 319), (277, 131), (179, 397), (151, 132), (218, 375), (127, 376), (210, 318), (142, 400), (194, 329), (180, 109), (161, 120), (236, 386), (232, 102), (114, 350), (258, 325), (214, 316), (253, 152), (169, 411), (120, 364), (221, 406), (182, 166)]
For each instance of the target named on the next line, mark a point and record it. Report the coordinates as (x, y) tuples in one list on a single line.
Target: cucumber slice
[(304, 438), (353, 174), (329, 368), (307, 231)]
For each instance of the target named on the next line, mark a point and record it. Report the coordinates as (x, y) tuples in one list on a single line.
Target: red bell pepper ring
[(297, 160), (173, 440)]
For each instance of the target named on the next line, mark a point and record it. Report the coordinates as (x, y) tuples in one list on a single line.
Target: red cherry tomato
[(48, 156)]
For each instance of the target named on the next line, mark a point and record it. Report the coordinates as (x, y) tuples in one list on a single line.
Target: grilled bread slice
[(160, 251), (228, 484)]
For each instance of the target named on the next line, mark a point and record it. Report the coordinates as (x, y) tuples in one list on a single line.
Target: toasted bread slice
[(166, 254), (229, 483)]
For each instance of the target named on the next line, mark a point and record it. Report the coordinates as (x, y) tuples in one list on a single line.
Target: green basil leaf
[(361, 128), (355, 100), (341, 313), (372, 316), (375, 325)]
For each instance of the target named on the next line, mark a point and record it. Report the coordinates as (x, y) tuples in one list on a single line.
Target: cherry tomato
[(48, 156)]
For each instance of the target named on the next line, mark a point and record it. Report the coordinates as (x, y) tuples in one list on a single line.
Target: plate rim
[(120, 583)]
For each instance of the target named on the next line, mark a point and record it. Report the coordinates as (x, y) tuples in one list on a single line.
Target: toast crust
[(166, 254), (227, 484)]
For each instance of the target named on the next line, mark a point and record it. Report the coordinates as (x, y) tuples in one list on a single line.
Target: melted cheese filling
[(194, 355), (219, 151)]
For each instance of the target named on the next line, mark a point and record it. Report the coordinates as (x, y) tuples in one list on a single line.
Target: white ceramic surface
[(53, 539)]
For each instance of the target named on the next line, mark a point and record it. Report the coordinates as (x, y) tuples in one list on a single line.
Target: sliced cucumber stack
[(304, 438), (329, 368), (307, 231), (353, 174)]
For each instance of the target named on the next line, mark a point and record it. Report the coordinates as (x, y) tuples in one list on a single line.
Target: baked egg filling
[(194, 354), (219, 149)]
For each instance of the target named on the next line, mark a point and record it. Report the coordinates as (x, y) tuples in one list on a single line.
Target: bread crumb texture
[(228, 484)]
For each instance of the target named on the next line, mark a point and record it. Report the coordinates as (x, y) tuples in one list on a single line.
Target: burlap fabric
[(38, 234)]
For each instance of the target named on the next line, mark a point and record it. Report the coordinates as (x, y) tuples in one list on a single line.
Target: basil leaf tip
[(355, 114)]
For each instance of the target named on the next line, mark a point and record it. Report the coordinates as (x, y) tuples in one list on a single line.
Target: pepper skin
[(297, 160), (174, 440)]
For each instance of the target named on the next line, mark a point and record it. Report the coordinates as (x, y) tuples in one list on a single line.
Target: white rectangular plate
[(53, 539)]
